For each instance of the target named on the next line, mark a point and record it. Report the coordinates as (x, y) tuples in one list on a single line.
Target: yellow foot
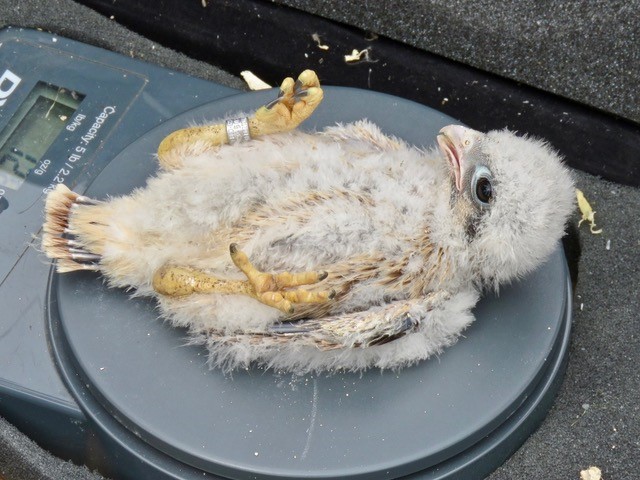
[(295, 103), (270, 289)]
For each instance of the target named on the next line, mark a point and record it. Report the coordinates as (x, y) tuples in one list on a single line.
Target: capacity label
[(79, 150)]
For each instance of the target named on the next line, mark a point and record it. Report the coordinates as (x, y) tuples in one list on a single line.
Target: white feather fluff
[(302, 201)]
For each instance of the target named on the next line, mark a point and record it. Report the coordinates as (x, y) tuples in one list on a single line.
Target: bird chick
[(341, 249)]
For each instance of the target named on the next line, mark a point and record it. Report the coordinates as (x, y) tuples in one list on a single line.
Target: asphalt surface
[(585, 55)]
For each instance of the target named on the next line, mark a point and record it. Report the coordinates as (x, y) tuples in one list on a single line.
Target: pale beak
[(455, 141)]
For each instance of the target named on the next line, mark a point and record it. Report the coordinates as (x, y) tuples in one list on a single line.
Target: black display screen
[(32, 130)]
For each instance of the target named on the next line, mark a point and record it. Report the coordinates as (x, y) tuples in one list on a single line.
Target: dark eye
[(483, 190), (481, 186)]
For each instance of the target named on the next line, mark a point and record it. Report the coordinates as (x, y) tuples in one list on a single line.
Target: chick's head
[(512, 195)]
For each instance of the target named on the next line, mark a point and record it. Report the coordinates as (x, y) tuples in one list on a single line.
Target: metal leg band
[(238, 130)]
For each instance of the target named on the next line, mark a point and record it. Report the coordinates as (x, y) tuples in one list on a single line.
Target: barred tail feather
[(58, 240)]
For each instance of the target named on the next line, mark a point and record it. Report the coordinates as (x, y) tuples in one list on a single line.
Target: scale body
[(94, 377)]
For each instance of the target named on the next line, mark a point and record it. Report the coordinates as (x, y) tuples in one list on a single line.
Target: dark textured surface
[(596, 418), (22, 459), (275, 40), (585, 51)]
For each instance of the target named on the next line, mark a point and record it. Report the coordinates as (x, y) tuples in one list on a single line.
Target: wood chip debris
[(588, 215), (321, 46), (359, 56), (591, 473), (253, 81)]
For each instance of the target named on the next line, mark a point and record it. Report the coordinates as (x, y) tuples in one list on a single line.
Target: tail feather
[(58, 240)]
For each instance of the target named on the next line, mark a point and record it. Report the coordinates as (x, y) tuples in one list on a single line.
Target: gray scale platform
[(459, 415)]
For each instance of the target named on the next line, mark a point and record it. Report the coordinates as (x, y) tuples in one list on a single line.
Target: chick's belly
[(336, 234)]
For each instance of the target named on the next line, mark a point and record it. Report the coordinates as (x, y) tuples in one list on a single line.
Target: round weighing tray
[(462, 413)]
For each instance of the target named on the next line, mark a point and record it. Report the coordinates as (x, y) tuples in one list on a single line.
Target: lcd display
[(32, 130)]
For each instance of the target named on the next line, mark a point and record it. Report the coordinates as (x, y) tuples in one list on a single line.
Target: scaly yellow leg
[(296, 102), (269, 289)]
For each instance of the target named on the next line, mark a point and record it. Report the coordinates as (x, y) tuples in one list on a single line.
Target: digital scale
[(95, 377)]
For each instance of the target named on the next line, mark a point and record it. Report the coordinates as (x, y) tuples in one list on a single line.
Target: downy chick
[(341, 249)]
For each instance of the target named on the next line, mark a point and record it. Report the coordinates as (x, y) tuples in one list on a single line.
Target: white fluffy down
[(439, 329), (535, 196), (314, 201)]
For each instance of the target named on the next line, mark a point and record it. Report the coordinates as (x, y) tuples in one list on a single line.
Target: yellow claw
[(296, 102), (270, 289)]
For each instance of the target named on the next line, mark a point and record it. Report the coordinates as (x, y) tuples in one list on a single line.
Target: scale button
[(4, 204)]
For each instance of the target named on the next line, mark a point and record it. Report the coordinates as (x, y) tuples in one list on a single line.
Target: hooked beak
[(455, 141)]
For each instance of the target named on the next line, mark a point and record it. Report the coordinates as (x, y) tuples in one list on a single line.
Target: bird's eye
[(482, 190)]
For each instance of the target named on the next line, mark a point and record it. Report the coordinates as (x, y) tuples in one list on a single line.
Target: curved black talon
[(273, 103), (301, 93)]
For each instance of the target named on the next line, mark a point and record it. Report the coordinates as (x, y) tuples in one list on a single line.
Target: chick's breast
[(331, 201)]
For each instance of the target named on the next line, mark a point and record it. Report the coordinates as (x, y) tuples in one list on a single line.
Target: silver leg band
[(238, 130)]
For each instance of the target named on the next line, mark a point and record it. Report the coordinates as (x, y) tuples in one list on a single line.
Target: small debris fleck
[(253, 81), (321, 46), (591, 473), (608, 246), (359, 56), (588, 214)]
